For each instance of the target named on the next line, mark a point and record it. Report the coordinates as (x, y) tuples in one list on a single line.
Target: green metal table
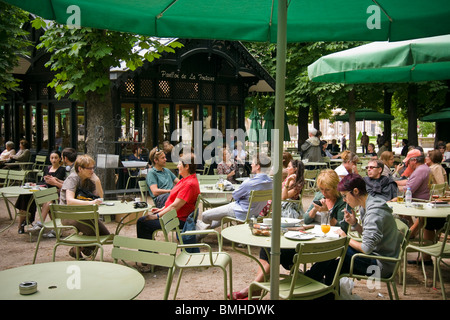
[(117, 207), (73, 280)]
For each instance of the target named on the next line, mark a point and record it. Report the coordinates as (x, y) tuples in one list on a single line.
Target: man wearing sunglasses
[(378, 185)]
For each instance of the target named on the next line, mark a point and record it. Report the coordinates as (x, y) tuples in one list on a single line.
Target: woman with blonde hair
[(83, 187), (349, 161), (330, 199), (388, 159)]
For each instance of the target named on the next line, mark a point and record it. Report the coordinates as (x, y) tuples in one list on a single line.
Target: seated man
[(418, 182), (378, 185), (238, 209), (160, 180)]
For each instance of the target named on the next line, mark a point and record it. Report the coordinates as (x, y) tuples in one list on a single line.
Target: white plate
[(289, 222), (296, 235)]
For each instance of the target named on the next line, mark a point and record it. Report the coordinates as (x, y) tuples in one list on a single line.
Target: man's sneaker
[(36, 226), (50, 234), (201, 225)]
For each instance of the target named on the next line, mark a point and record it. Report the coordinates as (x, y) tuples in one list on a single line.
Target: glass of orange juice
[(325, 223)]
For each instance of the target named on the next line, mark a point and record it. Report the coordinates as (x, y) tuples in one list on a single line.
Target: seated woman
[(227, 165), (52, 175), (24, 152), (85, 179), (9, 151), (371, 151), (438, 175), (378, 230), (349, 161), (291, 189), (330, 199), (388, 159), (182, 198)]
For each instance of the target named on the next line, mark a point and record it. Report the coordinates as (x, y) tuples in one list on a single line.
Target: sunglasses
[(372, 167)]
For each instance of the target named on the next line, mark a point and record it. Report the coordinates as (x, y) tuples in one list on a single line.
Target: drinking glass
[(435, 196), (325, 223), (400, 197), (241, 171)]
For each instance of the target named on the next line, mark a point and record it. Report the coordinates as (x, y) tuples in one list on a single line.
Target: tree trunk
[(412, 115), (303, 113), (100, 134), (352, 122), (315, 111), (387, 110)]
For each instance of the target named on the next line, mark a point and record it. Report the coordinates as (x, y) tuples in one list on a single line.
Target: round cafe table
[(117, 207), (15, 191), (73, 280), (426, 212), (242, 233)]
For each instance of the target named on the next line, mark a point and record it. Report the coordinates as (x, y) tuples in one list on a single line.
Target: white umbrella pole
[(278, 148)]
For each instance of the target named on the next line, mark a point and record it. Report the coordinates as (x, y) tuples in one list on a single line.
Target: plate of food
[(289, 222), (297, 235)]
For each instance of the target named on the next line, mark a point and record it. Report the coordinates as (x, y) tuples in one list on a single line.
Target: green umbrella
[(253, 20), (257, 20), (403, 61), (366, 114), (442, 115), (268, 126), (255, 126)]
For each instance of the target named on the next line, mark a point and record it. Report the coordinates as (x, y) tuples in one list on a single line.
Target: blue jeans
[(324, 271)]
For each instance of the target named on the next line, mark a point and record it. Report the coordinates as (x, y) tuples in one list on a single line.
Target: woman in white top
[(388, 159), (349, 161), (239, 153), (9, 151)]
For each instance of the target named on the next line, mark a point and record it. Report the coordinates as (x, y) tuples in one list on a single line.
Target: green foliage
[(299, 90), (13, 44), (82, 57)]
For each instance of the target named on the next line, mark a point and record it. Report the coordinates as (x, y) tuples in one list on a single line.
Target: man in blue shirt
[(160, 180), (238, 209)]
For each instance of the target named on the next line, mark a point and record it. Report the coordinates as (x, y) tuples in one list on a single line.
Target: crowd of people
[(340, 192)]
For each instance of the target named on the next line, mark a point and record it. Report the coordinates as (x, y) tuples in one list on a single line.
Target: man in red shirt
[(182, 198)]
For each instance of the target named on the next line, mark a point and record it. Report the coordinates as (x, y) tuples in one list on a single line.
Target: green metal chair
[(152, 252), (404, 231), (38, 167), (310, 180), (184, 259), (4, 177), (16, 177), (210, 202), (439, 250), (42, 197), (297, 286), (143, 187), (86, 215), (210, 179), (438, 189), (255, 196)]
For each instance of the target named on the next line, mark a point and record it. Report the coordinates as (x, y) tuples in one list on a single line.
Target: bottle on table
[(408, 197)]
